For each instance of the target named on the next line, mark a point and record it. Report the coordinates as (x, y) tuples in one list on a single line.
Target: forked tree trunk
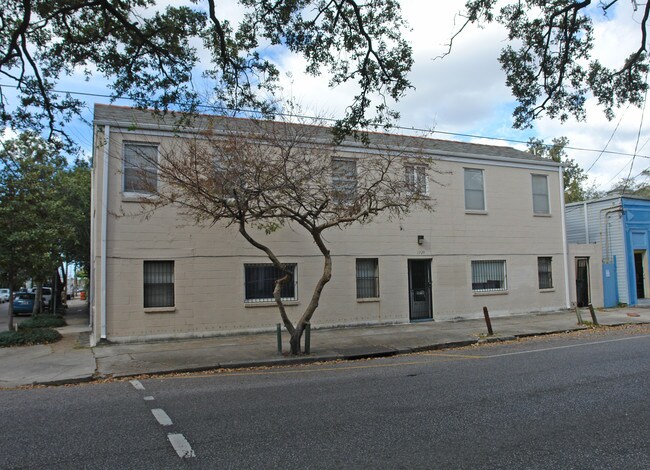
[(294, 341), (299, 329)]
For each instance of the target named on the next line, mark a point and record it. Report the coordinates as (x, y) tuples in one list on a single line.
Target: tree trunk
[(64, 285), (325, 277), (294, 341), (10, 321), (38, 298)]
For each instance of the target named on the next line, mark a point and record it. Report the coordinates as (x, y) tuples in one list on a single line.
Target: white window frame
[(128, 166), (417, 179), (344, 184), (537, 195), (361, 275), (293, 281), (482, 190), (484, 275)]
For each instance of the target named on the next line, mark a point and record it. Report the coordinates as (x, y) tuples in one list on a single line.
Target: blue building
[(622, 225)]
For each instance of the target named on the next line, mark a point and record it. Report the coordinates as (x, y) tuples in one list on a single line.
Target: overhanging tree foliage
[(548, 61), (150, 54), (573, 175), (263, 176)]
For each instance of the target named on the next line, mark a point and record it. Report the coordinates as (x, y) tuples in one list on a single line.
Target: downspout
[(93, 190), (567, 298), (584, 205), (102, 321), (604, 213)]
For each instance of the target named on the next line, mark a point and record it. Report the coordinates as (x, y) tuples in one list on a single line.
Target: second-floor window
[(540, 195), (140, 168), (344, 179), (416, 179), (474, 190)]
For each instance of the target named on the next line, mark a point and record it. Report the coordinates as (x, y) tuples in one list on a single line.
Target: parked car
[(46, 294), (24, 302), (4, 295)]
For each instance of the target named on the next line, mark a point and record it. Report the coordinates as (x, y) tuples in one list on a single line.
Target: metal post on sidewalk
[(278, 330), (593, 315), (307, 338), (578, 315), (486, 314)]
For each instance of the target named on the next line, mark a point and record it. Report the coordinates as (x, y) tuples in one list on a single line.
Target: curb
[(378, 352)]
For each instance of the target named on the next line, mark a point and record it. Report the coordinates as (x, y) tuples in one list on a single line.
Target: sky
[(465, 92)]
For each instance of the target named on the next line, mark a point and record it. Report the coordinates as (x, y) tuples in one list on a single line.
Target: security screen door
[(420, 289)]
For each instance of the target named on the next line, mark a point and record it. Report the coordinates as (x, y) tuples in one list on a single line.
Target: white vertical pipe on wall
[(564, 242), (93, 189), (586, 214), (107, 137)]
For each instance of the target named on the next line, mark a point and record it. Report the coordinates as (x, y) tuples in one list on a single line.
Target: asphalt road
[(572, 401)]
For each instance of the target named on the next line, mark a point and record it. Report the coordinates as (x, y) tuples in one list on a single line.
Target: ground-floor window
[(367, 278), (488, 275), (545, 272), (158, 284), (259, 280)]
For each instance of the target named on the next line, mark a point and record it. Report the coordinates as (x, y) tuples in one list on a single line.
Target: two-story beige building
[(495, 239)]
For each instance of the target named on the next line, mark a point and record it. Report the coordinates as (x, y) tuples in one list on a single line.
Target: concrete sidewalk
[(72, 360)]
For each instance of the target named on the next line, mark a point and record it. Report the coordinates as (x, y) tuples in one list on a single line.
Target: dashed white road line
[(137, 385), (181, 446), (162, 417), (178, 441)]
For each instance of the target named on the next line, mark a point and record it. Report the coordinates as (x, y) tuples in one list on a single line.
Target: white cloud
[(465, 92)]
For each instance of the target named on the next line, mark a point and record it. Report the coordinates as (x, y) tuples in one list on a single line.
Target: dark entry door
[(420, 289), (582, 281), (640, 276)]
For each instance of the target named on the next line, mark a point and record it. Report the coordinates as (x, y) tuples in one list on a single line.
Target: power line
[(609, 141), (224, 109), (638, 137)]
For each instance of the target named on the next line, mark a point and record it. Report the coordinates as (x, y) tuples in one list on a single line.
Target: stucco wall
[(593, 251), (209, 260)]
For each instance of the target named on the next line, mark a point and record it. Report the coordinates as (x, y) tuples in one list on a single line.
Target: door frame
[(644, 269), (410, 262), (587, 279)]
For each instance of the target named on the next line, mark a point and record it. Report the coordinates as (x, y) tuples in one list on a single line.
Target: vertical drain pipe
[(102, 321), (567, 297)]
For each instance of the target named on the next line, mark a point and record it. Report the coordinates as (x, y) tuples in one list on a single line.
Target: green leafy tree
[(632, 186), (150, 54), (548, 61), (574, 176), (75, 194), (29, 209)]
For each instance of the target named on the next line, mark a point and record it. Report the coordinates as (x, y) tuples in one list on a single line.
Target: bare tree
[(260, 176)]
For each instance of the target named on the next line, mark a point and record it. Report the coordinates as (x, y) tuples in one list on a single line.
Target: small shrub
[(26, 337), (42, 321)]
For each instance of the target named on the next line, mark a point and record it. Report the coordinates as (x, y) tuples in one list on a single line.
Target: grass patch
[(26, 337), (42, 321)]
